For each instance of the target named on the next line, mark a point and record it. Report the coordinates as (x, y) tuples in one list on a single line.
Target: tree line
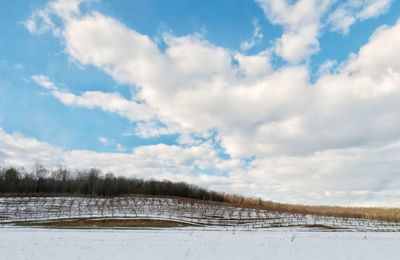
[(93, 182)]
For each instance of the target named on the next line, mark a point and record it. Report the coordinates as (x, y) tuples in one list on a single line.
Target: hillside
[(92, 183), (42, 210)]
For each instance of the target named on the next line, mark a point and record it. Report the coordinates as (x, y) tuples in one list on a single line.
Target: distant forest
[(93, 182)]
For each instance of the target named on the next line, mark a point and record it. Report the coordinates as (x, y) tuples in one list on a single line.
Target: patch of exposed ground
[(106, 223)]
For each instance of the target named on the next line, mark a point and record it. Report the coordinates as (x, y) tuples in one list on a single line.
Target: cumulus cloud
[(301, 21), (191, 77), (352, 11), (332, 140)]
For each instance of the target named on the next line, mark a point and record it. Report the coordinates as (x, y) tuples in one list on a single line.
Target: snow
[(195, 243)]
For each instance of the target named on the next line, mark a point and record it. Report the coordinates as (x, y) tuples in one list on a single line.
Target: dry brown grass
[(383, 214), (105, 223)]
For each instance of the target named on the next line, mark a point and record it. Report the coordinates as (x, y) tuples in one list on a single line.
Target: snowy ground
[(195, 243), (20, 209)]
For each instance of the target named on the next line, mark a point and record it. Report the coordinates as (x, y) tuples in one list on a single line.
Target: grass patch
[(381, 214), (322, 227), (106, 223)]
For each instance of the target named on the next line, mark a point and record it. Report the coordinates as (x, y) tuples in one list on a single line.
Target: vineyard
[(196, 212)]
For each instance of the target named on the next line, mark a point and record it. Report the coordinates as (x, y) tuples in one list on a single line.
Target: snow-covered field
[(195, 243), (20, 209)]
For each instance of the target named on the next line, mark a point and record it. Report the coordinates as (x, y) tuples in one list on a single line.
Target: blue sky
[(236, 96)]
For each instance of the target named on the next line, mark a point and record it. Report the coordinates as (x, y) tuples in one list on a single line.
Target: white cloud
[(255, 38), (110, 102), (148, 129), (328, 67), (188, 139), (44, 82), (120, 148), (341, 20), (191, 77), (374, 8), (42, 20), (18, 150), (352, 11), (301, 24), (104, 140), (356, 176), (111, 142), (254, 66)]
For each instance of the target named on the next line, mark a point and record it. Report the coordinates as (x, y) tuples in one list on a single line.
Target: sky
[(290, 101)]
